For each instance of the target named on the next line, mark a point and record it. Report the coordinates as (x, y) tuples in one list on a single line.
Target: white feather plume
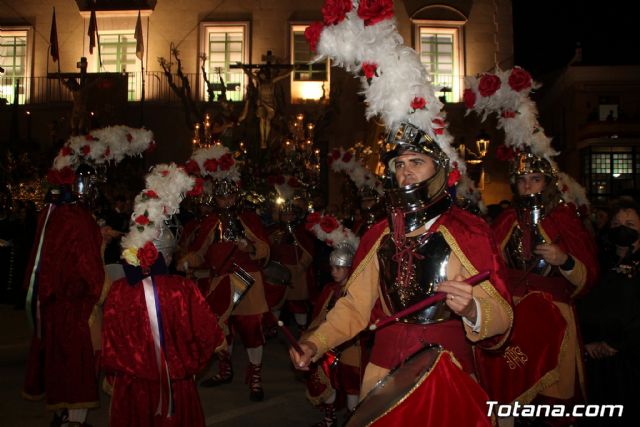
[(110, 144), (166, 186), (400, 76), (356, 171)]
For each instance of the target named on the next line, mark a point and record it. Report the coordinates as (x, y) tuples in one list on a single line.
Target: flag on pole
[(139, 38), (53, 38), (93, 30)]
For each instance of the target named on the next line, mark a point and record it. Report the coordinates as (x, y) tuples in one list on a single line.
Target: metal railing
[(43, 90)]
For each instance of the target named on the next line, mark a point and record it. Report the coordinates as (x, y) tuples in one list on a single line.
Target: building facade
[(453, 38)]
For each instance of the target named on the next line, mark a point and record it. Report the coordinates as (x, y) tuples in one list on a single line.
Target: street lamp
[(482, 144)]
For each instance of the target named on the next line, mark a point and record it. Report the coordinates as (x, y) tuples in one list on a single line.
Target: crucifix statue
[(264, 77), (78, 85)]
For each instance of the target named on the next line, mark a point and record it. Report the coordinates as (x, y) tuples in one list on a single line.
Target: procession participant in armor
[(369, 188), (547, 249), (233, 246), (66, 283), (292, 246), (338, 371), (158, 330), (426, 244)]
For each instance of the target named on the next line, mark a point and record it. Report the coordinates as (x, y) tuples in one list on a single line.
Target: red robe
[(70, 280), (543, 355), (191, 335)]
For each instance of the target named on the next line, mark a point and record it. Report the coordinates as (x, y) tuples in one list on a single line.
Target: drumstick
[(439, 296), (290, 338)]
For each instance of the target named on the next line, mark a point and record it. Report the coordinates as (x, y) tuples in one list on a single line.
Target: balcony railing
[(43, 90)]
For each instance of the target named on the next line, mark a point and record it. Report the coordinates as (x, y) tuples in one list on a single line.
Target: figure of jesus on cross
[(264, 79)]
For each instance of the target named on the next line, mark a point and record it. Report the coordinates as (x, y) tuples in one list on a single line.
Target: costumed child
[(158, 331), (338, 373)]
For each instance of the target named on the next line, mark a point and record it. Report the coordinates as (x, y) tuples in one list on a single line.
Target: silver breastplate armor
[(427, 269), (229, 229), (518, 254)]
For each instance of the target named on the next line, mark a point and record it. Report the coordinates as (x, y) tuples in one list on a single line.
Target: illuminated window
[(609, 171), (440, 52), (225, 44), (15, 62), (118, 53), (309, 82)]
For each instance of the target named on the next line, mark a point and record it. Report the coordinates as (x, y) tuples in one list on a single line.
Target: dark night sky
[(547, 31)]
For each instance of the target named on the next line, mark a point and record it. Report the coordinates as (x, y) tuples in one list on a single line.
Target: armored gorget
[(526, 235), (229, 228), (409, 279)]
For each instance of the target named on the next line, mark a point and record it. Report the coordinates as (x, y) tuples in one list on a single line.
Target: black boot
[(254, 380), (59, 419), (329, 419), (225, 371)]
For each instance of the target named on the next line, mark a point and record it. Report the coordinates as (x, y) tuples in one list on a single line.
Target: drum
[(528, 362), (277, 273), (428, 389), (240, 287)]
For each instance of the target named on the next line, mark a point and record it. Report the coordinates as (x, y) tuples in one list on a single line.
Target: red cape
[(561, 225)]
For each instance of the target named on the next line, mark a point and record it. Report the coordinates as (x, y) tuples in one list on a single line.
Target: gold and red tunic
[(558, 379), (219, 257), (472, 250)]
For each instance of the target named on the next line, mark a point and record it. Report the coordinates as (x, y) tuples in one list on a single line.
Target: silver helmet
[(166, 242), (85, 186), (225, 187), (342, 255), (407, 137), (526, 163)]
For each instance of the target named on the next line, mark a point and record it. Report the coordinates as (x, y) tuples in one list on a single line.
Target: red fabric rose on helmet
[(418, 103), (454, 176), (489, 84), (519, 79), (65, 151), (312, 34), (142, 220), (211, 165), (333, 156), (312, 219), (374, 11), (85, 150), (469, 98), (346, 157), (508, 114), (198, 187), (334, 11), (226, 161), (328, 223), (192, 168), (150, 194), (369, 69), (147, 255)]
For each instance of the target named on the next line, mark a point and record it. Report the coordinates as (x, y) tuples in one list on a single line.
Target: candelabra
[(301, 157)]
